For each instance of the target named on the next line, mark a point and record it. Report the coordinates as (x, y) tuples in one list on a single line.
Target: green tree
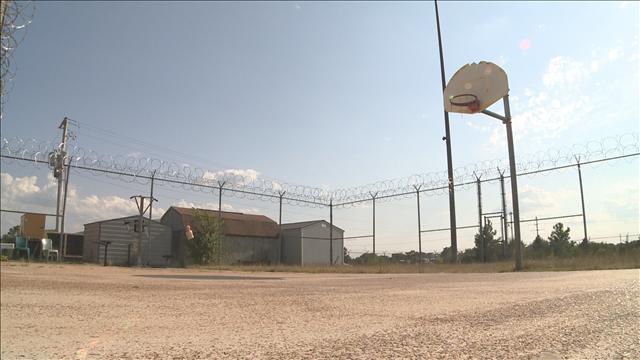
[(539, 248), (10, 236), (347, 258), (559, 241), (492, 246), (205, 248)]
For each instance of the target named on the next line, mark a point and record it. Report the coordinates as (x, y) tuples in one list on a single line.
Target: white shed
[(307, 243), (121, 250)]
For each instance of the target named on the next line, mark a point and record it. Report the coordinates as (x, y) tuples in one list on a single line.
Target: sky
[(331, 95)]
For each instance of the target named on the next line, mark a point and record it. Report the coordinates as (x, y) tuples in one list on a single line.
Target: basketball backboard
[(485, 82)]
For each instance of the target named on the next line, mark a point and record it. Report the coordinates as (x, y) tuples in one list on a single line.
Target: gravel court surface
[(51, 311)]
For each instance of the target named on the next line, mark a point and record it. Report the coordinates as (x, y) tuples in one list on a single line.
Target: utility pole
[(537, 229), (57, 160), (447, 139), (142, 210), (63, 238)]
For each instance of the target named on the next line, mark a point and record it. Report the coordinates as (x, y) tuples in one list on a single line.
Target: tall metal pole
[(331, 232), (482, 242), (511, 222), (452, 199), (514, 184), (537, 229), (419, 227), (584, 215), (503, 229), (373, 199)]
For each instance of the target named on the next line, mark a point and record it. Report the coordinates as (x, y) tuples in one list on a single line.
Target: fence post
[(220, 185), (373, 199), (281, 194), (331, 232), (419, 227), (482, 242), (584, 215), (503, 229)]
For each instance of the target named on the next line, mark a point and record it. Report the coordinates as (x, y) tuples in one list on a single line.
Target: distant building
[(121, 250), (247, 238), (308, 243)]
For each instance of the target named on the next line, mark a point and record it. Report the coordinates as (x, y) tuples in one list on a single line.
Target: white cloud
[(563, 99), (234, 176), (24, 193), (615, 54), (564, 71)]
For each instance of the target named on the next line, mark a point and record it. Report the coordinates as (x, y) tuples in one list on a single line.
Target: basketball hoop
[(469, 101)]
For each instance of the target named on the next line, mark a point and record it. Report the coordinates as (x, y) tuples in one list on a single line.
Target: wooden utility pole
[(142, 209), (59, 169)]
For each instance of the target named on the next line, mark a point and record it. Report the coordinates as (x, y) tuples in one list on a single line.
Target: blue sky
[(324, 94)]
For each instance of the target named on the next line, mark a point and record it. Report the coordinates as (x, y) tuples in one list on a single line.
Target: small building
[(247, 238), (308, 243), (123, 241)]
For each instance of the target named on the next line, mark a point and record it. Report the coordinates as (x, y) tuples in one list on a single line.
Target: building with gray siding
[(308, 243), (246, 238), (121, 250)]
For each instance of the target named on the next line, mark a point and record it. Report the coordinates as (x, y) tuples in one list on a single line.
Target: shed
[(122, 237), (307, 243), (247, 238)]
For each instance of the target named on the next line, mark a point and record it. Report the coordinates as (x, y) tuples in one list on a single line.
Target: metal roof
[(304, 224), (234, 223), (122, 218)]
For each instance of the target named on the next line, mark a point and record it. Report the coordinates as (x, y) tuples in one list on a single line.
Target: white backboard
[(486, 80)]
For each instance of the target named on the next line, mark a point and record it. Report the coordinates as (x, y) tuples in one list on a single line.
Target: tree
[(539, 248), (10, 236), (492, 249), (559, 241), (347, 258), (205, 247)]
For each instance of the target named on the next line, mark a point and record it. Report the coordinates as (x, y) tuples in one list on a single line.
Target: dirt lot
[(81, 311)]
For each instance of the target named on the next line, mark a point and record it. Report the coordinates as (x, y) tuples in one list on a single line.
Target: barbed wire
[(249, 184), (16, 16)]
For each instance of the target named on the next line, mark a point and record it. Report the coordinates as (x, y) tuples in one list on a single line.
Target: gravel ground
[(51, 311)]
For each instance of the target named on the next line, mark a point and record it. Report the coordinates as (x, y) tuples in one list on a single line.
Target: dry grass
[(552, 264)]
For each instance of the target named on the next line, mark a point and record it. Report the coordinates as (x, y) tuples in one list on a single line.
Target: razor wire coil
[(252, 186)]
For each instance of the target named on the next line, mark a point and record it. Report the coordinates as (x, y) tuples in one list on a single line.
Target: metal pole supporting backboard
[(514, 185), (447, 139)]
